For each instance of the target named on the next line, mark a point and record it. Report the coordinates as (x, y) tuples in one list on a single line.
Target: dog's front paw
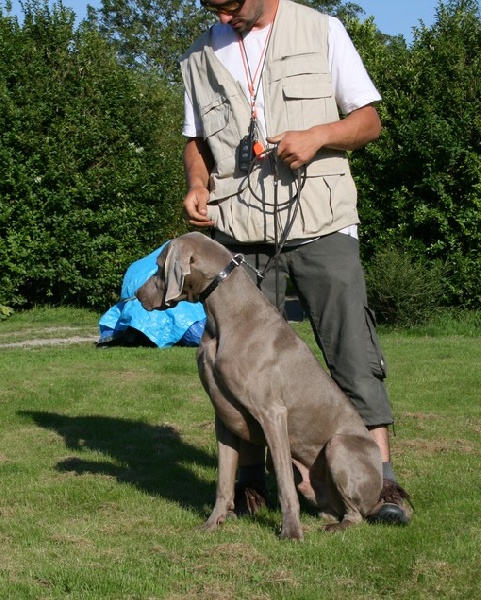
[(216, 520)]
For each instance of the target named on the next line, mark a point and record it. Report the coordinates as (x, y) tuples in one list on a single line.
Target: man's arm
[(296, 148), (198, 163)]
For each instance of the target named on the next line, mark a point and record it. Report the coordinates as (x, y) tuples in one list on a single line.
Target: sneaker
[(394, 510)]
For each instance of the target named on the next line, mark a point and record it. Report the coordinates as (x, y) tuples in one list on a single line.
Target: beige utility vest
[(298, 94)]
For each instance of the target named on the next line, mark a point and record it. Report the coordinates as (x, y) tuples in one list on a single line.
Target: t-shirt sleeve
[(353, 87), (192, 125)]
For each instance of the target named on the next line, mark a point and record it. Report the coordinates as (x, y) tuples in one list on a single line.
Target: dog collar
[(219, 278)]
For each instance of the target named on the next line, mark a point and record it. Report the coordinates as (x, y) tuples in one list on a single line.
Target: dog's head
[(185, 266)]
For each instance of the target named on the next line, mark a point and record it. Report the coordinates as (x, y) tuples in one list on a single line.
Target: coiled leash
[(292, 206)]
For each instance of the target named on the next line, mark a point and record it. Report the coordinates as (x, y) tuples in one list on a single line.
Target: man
[(266, 168)]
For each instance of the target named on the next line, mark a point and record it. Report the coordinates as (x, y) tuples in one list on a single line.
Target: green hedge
[(420, 183), (91, 155)]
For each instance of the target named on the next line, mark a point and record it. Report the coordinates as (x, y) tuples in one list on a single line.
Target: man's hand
[(198, 163), (296, 148), (195, 207)]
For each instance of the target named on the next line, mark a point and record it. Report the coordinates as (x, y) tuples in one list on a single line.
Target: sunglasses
[(226, 8)]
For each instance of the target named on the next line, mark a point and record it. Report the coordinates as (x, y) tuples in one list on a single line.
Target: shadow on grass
[(152, 458)]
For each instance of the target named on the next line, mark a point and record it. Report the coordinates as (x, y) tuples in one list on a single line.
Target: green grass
[(108, 465)]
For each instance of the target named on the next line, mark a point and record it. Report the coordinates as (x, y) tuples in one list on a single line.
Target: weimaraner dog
[(268, 388)]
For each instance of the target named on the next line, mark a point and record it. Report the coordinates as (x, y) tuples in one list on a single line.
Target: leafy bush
[(403, 291), (5, 312), (91, 155), (420, 183)]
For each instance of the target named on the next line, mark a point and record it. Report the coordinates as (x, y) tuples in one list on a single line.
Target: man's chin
[(239, 26)]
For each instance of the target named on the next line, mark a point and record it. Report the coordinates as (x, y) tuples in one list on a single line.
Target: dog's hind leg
[(353, 478), (310, 483)]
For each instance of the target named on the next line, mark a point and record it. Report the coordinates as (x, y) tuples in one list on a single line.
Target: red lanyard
[(253, 143), (260, 65)]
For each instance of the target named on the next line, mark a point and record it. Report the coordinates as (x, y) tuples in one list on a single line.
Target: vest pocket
[(215, 116), (306, 100), (318, 215), (307, 88)]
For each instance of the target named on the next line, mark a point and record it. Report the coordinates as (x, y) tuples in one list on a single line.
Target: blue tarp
[(182, 324)]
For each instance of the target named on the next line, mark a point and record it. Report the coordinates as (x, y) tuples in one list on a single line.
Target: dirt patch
[(34, 337), (440, 445), (50, 342)]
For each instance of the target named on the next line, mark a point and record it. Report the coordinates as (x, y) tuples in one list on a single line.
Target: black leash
[(293, 208)]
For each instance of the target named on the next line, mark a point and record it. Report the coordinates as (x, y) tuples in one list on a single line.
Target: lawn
[(108, 465)]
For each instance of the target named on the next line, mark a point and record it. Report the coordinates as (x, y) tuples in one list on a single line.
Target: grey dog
[(268, 388)]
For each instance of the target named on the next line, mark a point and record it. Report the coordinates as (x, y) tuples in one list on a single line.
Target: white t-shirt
[(352, 85)]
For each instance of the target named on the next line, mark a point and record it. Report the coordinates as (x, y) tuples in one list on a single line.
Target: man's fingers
[(275, 139)]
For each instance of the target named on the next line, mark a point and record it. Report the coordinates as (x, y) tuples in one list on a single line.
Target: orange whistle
[(258, 148)]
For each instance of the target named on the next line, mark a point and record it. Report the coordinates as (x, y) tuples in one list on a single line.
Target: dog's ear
[(177, 266)]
